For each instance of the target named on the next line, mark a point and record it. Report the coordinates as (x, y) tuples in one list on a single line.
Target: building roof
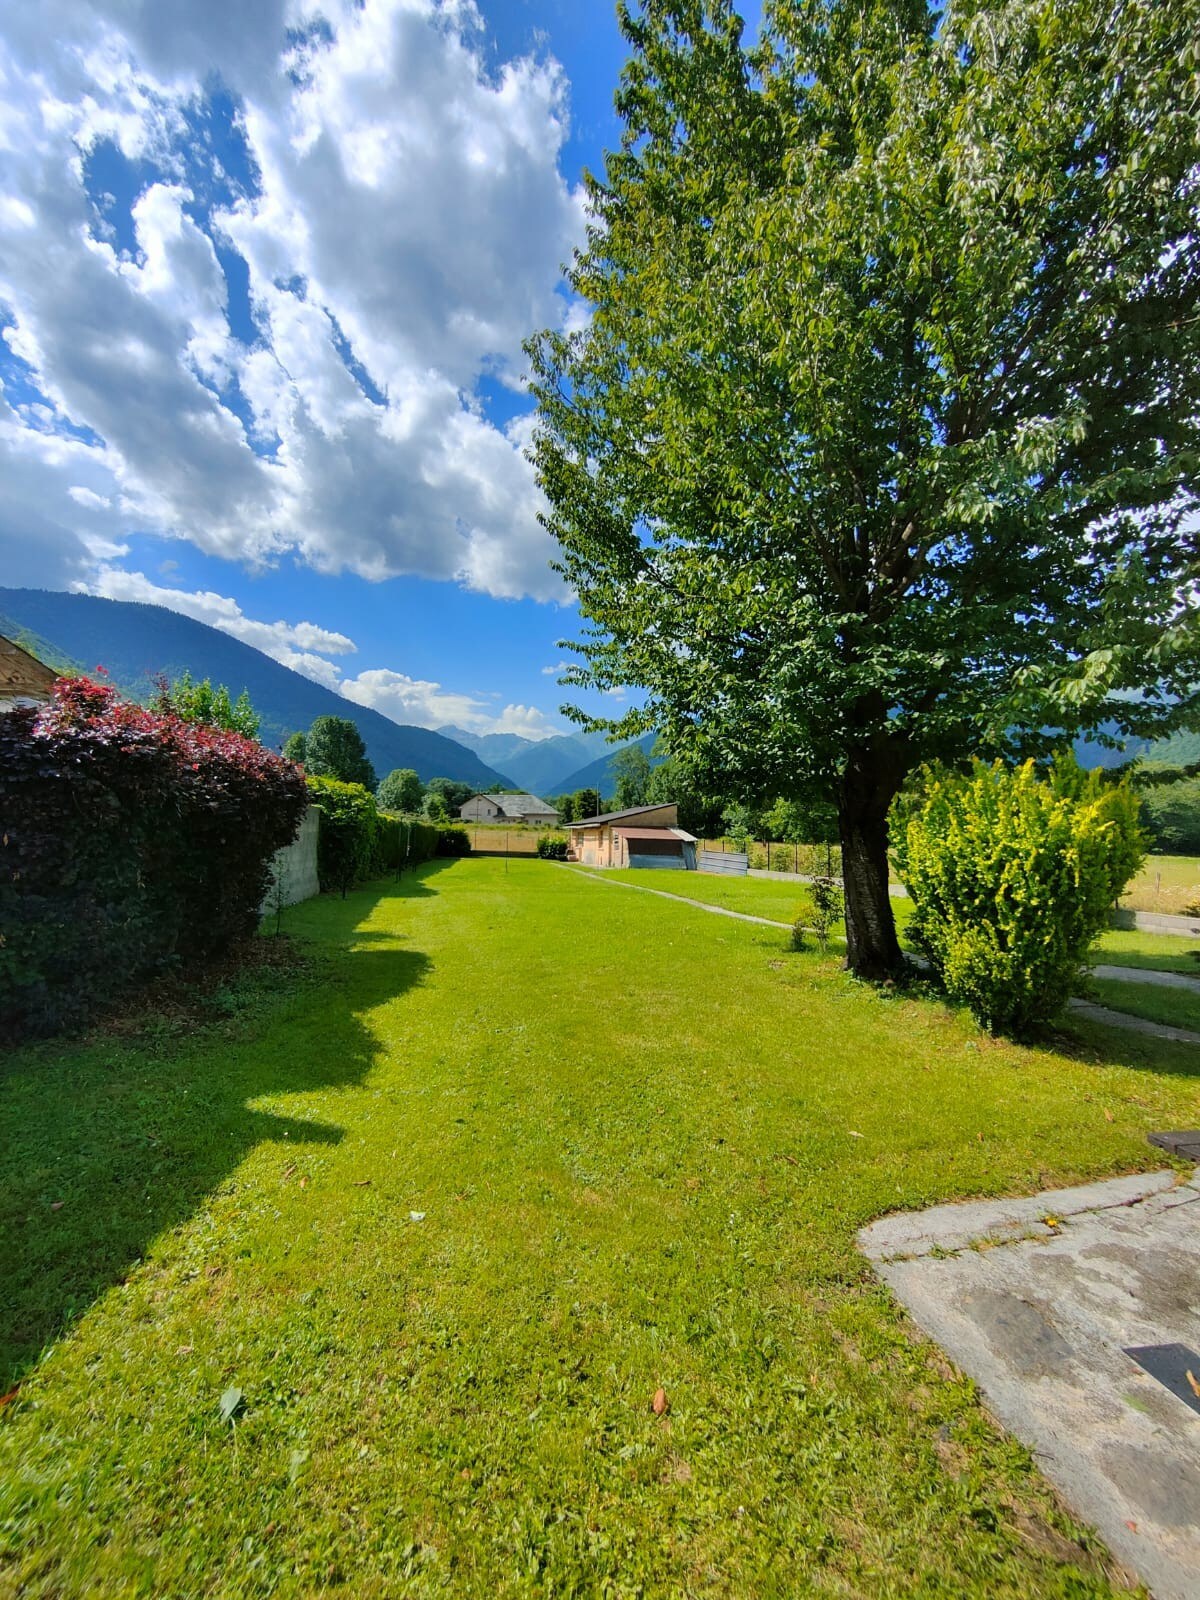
[(616, 816), (656, 833), (22, 673), (515, 805)]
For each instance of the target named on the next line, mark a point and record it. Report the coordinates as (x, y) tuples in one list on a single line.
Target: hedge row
[(357, 842), (132, 841)]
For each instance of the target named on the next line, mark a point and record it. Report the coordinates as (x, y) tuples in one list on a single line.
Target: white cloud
[(305, 647), (299, 645), (555, 670), (429, 705), (404, 236)]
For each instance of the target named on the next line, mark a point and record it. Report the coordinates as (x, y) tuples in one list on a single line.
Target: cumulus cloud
[(393, 223), (306, 647), (299, 645), (428, 704)]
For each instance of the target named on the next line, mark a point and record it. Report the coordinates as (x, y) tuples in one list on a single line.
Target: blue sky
[(264, 275)]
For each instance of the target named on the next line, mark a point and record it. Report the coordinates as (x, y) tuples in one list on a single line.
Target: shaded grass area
[(1176, 1007), (451, 1205), (1159, 952)]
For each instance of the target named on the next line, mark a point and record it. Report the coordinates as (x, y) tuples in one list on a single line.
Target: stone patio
[(1040, 1300)]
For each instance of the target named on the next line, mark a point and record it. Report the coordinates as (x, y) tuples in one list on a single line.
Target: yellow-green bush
[(1012, 876)]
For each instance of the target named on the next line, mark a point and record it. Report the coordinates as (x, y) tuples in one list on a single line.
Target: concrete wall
[(295, 866)]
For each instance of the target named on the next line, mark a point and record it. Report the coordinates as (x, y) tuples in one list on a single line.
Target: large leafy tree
[(334, 748), (401, 791), (881, 442)]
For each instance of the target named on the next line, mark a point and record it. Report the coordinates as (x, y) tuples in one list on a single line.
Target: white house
[(508, 808)]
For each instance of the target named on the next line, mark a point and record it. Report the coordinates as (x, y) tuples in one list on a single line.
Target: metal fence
[(732, 863)]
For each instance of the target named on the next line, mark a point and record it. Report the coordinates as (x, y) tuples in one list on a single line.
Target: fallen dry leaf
[(362, 1183), (289, 1169), (304, 1181), (7, 1399), (660, 1404), (1108, 1116), (56, 1205), (1191, 1378)]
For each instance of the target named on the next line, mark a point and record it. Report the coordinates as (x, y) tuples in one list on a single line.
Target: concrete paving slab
[(1044, 1326), (1156, 979), (1132, 1024)]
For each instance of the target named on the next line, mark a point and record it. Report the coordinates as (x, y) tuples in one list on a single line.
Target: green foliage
[(880, 442), (454, 841), (348, 846), (200, 703), (672, 783), (552, 846), (401, 791), (435, 807), (133, 842), (828, 906), (810, 821), (1012, 876), (741, 824), (631, 770), (453, 791), (1171, 816), (404, 842), (587, 804), (334, 748), (295, 748)]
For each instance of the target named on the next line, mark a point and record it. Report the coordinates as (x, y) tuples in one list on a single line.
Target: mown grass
[(783, 902), (450, 1205), (1178, 1008), (1159, 952)]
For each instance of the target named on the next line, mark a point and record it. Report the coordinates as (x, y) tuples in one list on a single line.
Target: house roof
[(22, 673), (656, 833), (616, 816), (516, 805)]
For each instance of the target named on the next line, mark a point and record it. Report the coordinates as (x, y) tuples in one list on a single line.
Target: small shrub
[(453, 842), (828, 907), (552, 846), (1012, 877), (348, 846)]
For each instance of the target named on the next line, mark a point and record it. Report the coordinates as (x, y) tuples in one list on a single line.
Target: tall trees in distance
[(880, 443)]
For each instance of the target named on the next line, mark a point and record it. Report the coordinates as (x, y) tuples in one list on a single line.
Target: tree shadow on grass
[(1103, 1046), (107, 1141)]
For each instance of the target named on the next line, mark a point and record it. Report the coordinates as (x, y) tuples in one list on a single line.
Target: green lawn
[(448, 1209), (772, 898), (1161, 952), (1178, 1008)]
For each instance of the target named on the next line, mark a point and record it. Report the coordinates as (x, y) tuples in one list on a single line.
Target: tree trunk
[(872, 949)]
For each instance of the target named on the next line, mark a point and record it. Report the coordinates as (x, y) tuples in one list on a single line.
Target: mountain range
[(136, 643)]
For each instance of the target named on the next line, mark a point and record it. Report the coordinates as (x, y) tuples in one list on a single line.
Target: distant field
[(489, 837), (1166, 883)]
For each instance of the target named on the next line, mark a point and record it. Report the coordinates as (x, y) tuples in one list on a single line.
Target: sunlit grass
[(449, 1207)]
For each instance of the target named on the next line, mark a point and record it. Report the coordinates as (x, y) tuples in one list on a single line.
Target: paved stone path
[(1044, 1324), (1122, 1019), (1162, 980)]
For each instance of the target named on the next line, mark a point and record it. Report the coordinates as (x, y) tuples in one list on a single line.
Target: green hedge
[(404, 841), (552, 847), (453, 842), (348, 845)]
